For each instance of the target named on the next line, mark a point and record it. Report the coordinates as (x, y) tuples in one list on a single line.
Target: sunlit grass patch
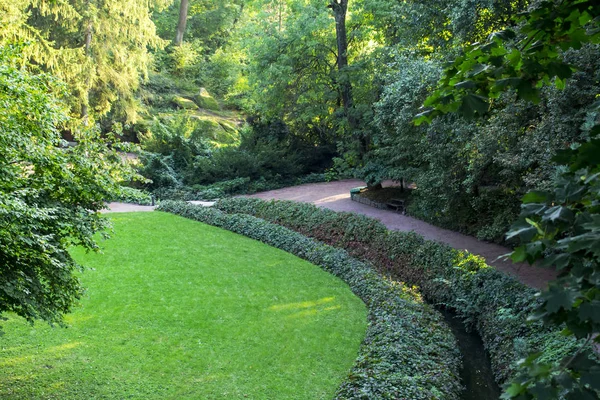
[(177, 309)]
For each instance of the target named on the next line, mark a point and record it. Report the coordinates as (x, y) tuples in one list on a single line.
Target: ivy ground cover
[(177, 309)]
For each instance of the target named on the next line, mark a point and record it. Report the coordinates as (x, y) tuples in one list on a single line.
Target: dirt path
[(336, 196)]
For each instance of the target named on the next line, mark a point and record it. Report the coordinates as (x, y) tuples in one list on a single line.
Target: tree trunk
[(88, 53), (280, 15), (340, 9), (183, 12)]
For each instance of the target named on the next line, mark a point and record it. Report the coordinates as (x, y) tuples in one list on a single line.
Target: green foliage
[(134, 196), (209, 22), (340, 169), (408, 353), (557, 225), (103, 75), (182, 58), (493, 303), (292, 72), (471, 174), (533, 60), (223, 188), (208, 57), (170, 147), (183, 163), (561, 227), (424, 27), (221, 72), (50, 194)]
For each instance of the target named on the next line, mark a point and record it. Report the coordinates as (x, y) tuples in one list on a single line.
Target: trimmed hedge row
[(496, 305), (408, 353)]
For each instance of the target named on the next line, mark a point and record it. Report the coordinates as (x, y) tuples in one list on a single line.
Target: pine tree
[(99, 47)]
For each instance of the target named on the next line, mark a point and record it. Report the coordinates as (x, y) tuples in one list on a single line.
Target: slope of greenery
[(494, 304), (409, 351), (328, 89), (176, 309), (168, 98)]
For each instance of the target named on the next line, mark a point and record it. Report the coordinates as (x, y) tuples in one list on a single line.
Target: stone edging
[(363, 200)]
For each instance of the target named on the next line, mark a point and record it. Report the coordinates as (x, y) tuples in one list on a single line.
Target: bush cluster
[(133, 196), (496, 305), (408, 352), (471, 174), (181, 163)]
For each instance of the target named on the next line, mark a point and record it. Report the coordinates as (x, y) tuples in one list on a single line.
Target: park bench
[(396, 205)]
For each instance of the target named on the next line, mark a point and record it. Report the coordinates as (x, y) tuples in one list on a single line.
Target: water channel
[(476, 374)]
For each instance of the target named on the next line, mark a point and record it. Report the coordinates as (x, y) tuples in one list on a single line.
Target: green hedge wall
[(408, 353), (496, 305)]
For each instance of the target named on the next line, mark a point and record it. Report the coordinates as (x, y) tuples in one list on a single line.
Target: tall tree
[(99, 48), (181, 22), (50, 194), (340, 9)]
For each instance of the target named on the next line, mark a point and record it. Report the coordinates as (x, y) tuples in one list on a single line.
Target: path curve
[(336, 196), (116, 207)]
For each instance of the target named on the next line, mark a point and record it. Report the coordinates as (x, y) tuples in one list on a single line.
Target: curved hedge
[(408, 353), (494, 303)]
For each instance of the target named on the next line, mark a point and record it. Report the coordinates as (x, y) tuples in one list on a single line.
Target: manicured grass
[(176, 309)]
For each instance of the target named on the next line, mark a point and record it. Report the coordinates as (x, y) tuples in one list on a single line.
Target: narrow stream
[(476, 373)]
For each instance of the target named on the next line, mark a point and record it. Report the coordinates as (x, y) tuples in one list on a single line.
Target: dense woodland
[(217, 98), (282, 104)]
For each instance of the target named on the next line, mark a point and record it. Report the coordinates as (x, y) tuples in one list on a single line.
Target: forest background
[(242, 96), (274, 110)]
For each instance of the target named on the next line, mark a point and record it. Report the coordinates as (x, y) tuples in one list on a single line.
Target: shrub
[(455, 162), (408, 352), (134, 196), (222, 189), (176, 137), (496, 305), (182, 58), (159, 170)]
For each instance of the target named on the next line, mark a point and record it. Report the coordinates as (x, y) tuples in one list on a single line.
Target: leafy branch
[(560, 227), (523, 59)]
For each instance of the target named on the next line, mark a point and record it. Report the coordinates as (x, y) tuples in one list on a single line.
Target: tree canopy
[(50, 194), (99, 48)]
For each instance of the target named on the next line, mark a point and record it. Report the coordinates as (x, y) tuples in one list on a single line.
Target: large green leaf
[(473, 104), (558, 298)]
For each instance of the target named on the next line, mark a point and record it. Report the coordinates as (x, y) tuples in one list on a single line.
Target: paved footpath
[(336, 196), (125, 207)]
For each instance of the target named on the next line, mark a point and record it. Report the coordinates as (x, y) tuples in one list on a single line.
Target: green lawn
[(176, 309)]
